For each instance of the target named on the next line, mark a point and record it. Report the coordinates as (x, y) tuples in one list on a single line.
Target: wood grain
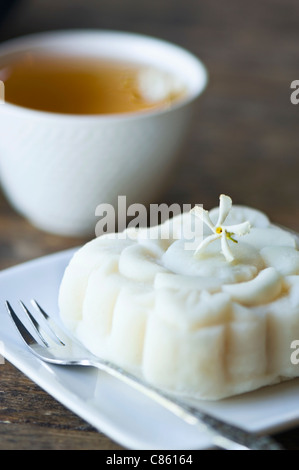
[(243, 141), (31, 419)]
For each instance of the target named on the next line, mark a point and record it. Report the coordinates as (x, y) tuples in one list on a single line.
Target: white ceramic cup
[(55, 169)]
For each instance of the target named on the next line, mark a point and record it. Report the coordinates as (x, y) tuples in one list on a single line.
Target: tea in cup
[(89, 116)]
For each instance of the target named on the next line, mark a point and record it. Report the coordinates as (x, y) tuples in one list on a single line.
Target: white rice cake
[(197, 326)]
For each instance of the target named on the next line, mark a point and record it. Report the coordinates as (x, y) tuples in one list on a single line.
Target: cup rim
[(13, 45)]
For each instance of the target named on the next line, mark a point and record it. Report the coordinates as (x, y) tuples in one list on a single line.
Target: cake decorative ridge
[(224, 232)]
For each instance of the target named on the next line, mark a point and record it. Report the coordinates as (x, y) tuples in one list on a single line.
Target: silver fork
[(53, 345)]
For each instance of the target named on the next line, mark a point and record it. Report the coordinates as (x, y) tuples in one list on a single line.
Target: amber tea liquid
[(75, 85)]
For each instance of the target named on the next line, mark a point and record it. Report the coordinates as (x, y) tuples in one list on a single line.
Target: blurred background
[(244, 137), (244, 140)]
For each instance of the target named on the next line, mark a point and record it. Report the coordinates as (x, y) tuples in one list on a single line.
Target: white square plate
[(125, 415)]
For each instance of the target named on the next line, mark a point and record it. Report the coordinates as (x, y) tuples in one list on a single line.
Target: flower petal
[(225, 248), (225, 206), (206, 241), (238, 229), (198, 211)]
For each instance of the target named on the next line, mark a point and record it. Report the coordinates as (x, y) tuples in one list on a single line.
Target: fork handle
[(223, 435)]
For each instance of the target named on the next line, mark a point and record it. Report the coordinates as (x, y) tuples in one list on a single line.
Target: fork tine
[(34, 323), (47, 321), (27, 337), (42, 311)]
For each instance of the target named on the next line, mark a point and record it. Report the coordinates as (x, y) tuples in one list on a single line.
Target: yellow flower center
[(218, 230)]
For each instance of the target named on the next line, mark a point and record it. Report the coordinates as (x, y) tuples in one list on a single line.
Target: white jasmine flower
[(224, 232)]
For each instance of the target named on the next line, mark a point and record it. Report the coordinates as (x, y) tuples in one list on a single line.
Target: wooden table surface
[(244, 141)]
